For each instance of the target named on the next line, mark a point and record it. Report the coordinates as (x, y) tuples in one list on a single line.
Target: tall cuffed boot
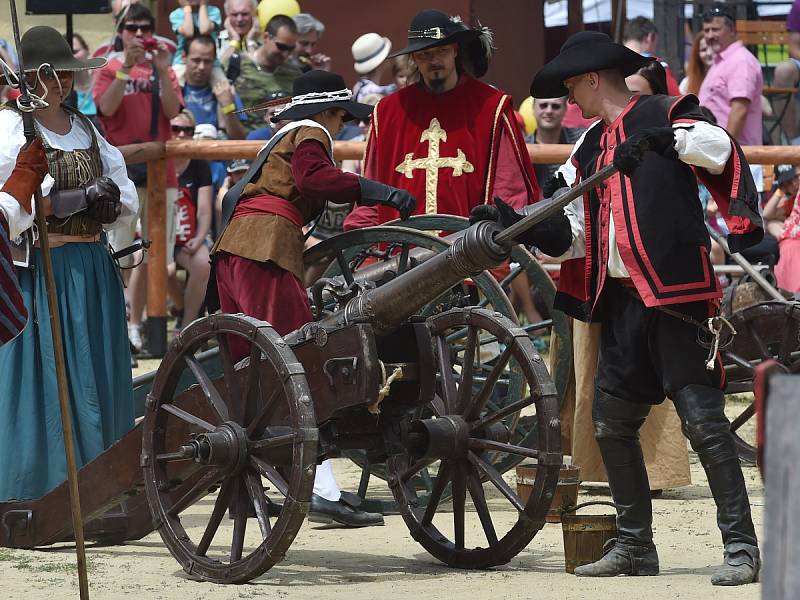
[(703, 421), (616, 428)]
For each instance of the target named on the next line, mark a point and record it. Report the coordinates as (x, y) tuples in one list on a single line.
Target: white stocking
[(325, 483)]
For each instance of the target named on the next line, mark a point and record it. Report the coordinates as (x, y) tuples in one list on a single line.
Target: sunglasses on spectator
[(285, 47), (187, 129), (145, 28), (553, 105)]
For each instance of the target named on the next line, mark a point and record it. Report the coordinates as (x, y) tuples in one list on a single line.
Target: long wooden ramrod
[(547, 208)]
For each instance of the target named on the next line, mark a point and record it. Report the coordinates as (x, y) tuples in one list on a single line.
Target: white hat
[(369, 51), (205, 131)]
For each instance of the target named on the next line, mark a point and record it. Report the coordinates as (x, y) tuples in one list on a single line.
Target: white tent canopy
[(555, 12)]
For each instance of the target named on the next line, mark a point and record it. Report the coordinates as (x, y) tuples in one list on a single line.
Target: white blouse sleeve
[(12, 140), (114, 168), (703, 145)]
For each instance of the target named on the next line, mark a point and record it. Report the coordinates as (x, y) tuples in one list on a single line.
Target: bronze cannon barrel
[(534, 213), (483, 246), (390, 305)]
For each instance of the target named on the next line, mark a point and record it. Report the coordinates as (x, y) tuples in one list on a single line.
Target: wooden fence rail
[(155, 155)]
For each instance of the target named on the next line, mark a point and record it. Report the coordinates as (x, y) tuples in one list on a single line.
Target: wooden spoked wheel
[(348, 252), (250, 437), (455, 446), (560, 360), (539, 279), (769, 330)]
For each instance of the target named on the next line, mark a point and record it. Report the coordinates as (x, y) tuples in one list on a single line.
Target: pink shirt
[(735, 73)]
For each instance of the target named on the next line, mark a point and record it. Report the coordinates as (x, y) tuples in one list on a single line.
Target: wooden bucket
[(585, 535), (566, 493)]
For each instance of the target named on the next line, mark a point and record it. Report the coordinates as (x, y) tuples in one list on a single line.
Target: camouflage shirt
[(254, 83)]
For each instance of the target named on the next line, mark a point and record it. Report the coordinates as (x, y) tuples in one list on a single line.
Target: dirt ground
[(384, 562)]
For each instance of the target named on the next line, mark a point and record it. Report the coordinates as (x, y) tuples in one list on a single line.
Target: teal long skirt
[(92, 310)]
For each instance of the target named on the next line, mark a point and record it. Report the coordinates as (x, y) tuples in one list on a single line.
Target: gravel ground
[(384, 562)]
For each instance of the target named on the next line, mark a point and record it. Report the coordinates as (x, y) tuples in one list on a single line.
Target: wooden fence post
[(157, 257)]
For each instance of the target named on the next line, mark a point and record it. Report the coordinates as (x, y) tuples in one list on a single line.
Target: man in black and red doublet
[(636, 252)]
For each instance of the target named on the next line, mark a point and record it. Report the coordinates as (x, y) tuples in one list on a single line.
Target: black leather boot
[(622, 559), (703, 420), (616, 428)]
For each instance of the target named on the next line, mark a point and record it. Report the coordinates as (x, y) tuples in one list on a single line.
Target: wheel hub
[(442, 437), (224, 448)]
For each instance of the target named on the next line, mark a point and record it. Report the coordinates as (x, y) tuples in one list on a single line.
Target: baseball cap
[(784, 173), (205, 131), (237, 165)]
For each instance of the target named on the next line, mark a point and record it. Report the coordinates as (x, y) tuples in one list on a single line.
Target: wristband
[(235, 44), (228, 109), (122, 76)]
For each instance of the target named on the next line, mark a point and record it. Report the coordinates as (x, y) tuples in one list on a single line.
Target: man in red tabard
[(450, 140)]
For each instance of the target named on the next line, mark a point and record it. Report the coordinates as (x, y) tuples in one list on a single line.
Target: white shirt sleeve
[(703, 145), (114, 168)]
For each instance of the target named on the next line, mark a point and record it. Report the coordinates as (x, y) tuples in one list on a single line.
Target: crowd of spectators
[(197, 82)]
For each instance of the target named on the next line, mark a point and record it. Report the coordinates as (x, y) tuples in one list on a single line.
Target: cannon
[(368, 375), (410, 391)]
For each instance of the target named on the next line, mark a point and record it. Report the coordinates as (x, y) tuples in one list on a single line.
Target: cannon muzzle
[(390, 305)]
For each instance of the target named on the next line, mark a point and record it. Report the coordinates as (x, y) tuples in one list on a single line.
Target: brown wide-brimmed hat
[(43, 45)]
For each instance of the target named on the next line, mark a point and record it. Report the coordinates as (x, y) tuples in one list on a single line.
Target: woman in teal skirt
[(86, 192)]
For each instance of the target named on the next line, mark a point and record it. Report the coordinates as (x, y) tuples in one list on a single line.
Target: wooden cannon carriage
[(415, 391)]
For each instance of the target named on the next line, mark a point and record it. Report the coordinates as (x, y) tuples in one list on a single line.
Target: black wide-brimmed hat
[(44, 45), (584, 52), (431, 28), (316, 91)]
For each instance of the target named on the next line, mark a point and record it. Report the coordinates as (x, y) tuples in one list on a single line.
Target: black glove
[(630, 153), (552, 236), (103, 200), (552, 185), (375, 192), (501, 213), (483, 212)]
